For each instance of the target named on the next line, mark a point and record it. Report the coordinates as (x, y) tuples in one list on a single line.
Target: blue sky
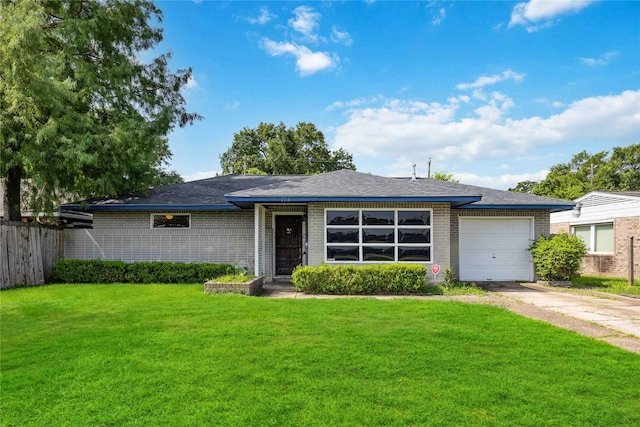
[(493, 92)]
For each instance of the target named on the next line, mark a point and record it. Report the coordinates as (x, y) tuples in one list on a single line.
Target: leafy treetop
[(276, 149), (615, 171), (80, 114)]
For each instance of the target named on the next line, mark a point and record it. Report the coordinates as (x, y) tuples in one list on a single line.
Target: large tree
[(615, 171), (276, 149), (81, 114)]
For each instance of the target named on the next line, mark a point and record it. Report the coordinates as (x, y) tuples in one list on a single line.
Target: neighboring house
[(605, 221), (271, 224), (64, 218)]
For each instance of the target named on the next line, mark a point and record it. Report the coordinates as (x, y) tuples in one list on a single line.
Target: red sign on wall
[(435, 269)]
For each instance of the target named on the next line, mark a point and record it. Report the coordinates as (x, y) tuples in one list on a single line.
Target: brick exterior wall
[(540, 225), (439, 227), (218, 237), (616, 264)]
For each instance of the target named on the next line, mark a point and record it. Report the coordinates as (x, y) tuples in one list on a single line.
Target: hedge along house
[(271, 224), (605, 220)]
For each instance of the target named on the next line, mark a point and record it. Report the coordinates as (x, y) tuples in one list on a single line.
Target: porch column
[(258, 238)]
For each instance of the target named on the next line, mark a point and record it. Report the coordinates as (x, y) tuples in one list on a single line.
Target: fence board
[(28, 253)]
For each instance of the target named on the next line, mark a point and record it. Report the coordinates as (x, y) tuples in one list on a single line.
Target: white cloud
[(264, 17), (491, 80), (307, 61), (306, 22), (192, 83), (603, 60), (232, 106), (338, 36), (501, 182), (200, 175), (535, 15), (504, 167), (405, 130), (439, 16)]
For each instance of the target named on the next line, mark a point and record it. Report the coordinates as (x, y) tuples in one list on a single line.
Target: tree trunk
[(11, 196)]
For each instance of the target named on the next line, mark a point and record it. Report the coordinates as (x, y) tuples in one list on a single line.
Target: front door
[(288, 243)]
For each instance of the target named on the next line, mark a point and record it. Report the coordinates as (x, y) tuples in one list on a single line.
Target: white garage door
[(495, 249)]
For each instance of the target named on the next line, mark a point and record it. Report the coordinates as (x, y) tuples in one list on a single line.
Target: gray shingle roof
[(225, 192)]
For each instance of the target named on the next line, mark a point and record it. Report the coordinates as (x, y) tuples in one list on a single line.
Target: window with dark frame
[(378, 235), (171, 221)]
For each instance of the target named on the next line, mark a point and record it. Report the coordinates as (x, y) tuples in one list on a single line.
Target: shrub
[(558, 257), (98, 271), (363, 279)]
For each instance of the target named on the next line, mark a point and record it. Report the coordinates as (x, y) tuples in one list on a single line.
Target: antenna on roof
[(429, 171), (413, 176)]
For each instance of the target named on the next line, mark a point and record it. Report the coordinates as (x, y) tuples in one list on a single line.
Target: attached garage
[(495, 249)]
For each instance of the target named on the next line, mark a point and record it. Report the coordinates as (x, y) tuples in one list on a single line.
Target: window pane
[(584, 232), (604, 238), (414, 218), (170, 221), (377, 217), (412, 235), (342, 235), (414, 253), (342, 253), (378, 253), (377, 235), (342, 218)]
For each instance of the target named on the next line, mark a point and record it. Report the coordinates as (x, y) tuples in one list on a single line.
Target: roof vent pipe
[(413, 176)]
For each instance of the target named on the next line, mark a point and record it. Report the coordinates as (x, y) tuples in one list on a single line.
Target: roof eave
[(551, 207), (153, 208)]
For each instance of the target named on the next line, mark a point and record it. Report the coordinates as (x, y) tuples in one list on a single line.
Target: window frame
[(592, 236), (154, 214), (361, 244)]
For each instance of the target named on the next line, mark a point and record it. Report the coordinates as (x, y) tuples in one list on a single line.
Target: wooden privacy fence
[(28, 253)]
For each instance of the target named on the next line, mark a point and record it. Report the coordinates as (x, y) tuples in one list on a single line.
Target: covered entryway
[(495, 249), (288, 243)]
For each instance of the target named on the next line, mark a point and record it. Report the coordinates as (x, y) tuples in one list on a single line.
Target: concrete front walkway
[(611, 318)]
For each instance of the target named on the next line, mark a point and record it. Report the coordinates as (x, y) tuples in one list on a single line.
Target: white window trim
[(169, 213), (592, 236), (395, 227)]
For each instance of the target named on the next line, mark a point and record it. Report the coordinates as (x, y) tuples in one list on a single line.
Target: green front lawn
[(607, 284), (171, 355)]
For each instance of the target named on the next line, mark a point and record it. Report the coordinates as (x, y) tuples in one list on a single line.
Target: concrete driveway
[(611, 318)]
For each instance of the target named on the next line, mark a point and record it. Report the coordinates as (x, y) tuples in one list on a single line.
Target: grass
[(234, 278), (120, 355), (608, 284)]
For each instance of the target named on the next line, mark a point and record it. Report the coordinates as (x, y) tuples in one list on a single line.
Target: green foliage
[(558, 257), (233, 278), (363, 279), (80, 114), (166, 355), (615, 171), (449, 275), (275, 149), (444, 176), (98, 271), (613, 285)]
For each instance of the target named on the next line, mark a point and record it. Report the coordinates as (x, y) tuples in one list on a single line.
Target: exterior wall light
[(575, 212)]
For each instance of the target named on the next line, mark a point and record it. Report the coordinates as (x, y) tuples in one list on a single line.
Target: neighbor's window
[(171, 221), (598, 237), (378, 235)]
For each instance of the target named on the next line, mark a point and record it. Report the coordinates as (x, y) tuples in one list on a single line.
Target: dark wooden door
[(288, 243)]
